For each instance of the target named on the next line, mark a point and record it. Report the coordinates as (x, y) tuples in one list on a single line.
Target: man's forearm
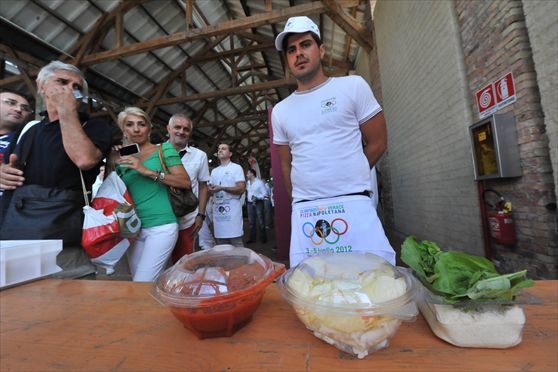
[(373, 154), (83, 153), (202, 197), (285, 159), (238, 189)]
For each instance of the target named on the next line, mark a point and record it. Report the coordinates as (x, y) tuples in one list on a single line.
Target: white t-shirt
[(322, 128), (256, 189), (195, 163), (227, 209)]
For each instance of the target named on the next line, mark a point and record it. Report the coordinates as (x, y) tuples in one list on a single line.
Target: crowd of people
[(52, 159)]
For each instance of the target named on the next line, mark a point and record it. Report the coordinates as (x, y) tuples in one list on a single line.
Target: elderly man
[(180, 130), (227, 185), (47, 165), (318, 131), (14, 111)]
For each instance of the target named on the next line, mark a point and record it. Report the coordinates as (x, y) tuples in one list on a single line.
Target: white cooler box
[(23, 260)]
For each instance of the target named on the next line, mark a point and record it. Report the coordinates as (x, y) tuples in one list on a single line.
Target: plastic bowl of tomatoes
[(216, 292)]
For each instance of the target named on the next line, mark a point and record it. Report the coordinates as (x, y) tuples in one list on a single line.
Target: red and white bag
[(110, 224)]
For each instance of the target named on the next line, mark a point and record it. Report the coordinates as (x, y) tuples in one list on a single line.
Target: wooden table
[(72, 325)]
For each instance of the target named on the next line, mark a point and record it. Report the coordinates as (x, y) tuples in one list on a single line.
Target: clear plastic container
[(215, 292), (354, 301), (481, 325), (24, 260)]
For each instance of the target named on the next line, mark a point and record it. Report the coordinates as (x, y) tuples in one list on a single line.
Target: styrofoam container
[(23, 260), (484, 326)]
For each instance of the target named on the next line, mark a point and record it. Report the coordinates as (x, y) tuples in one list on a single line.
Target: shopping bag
[(113, 198), (110, 223)]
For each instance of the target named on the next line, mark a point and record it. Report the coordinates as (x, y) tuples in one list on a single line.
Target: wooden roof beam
[(258, 115), (205, 32), (102, 25), (348, 24), (226, 92), (229, 53), (251, 67), (162, 86)]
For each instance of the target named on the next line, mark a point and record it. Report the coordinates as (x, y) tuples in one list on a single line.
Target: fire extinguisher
[(500, 219)]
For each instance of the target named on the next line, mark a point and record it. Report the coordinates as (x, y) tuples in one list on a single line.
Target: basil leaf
[(459, 276)]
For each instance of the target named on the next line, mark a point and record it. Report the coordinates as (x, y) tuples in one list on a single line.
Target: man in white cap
[(319, 131)]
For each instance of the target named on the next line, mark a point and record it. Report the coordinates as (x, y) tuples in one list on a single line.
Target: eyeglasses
[(22, 106)]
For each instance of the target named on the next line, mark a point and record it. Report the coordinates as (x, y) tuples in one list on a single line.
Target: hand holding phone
[(129, 150)]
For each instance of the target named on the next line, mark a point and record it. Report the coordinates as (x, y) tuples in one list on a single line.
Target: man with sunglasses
[(14, 111)]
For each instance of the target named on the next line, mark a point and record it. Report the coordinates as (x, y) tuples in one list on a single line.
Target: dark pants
[(256, 211), (268, 213)]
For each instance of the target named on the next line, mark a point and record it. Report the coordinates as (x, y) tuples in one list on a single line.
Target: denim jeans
[(268, 213), (256, 215)]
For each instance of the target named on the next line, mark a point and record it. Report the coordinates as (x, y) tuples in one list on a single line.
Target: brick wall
[(495, 41), (425, 99)]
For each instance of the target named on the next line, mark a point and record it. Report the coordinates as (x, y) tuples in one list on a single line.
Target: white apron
[(338, 225), (227, 216)]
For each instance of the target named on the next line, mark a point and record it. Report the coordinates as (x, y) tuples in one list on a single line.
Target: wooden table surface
[(73, 325)]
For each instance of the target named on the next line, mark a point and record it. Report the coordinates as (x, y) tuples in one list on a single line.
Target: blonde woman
[(147, 184)]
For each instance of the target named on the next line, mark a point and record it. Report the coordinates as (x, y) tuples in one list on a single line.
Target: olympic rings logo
[(222, 209), (323, 229)]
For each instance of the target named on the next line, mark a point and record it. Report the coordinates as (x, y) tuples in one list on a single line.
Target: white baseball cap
[(297, 25)]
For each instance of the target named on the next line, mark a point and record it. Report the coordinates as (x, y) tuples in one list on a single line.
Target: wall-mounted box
[(494, 147)]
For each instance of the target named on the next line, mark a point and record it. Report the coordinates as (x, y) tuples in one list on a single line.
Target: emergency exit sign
[(496, 95)]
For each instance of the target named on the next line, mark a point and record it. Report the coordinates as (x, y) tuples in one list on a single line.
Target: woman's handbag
[(183, 201)]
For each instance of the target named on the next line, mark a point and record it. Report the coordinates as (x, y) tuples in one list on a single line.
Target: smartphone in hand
[(129, 150)]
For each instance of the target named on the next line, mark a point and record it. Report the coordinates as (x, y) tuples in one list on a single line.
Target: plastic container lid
[(354, 301), (353, 273), (220, 273), (215, 292)]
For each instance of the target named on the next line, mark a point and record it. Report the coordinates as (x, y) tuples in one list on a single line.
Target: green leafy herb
[(459, 276)]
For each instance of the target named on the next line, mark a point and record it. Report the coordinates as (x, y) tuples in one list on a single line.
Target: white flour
[(493, 327)]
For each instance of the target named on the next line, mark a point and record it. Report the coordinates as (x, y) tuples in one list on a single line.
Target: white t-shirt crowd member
[(255, 190), (319, 125), (227, 209), (322, 128)]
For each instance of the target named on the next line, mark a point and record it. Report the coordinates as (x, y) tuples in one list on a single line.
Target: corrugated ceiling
[(36, 31)]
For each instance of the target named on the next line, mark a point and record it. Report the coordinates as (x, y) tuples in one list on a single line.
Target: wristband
[(201, 215)]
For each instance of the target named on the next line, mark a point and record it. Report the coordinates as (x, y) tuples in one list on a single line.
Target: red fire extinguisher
[(500, 220)]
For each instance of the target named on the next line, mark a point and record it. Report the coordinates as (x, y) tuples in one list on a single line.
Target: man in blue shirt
[(14, 111)]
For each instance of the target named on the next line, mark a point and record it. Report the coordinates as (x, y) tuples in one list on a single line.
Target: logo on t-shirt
[(329, 105)]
